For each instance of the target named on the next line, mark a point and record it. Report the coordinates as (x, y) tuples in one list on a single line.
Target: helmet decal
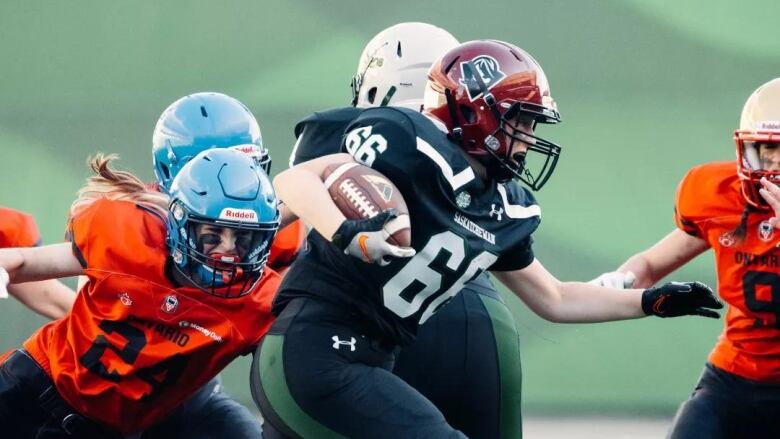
[(480, 74)]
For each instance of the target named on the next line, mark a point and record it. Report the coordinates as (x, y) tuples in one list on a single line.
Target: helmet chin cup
[(492, 143), (178, 257)]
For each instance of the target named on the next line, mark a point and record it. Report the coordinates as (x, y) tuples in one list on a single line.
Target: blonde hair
[(111, 184)]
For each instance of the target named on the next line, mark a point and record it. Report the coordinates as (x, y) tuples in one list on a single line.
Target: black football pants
[(726, 406)]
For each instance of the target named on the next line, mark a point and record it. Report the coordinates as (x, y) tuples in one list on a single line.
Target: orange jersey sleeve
[(108, 234), (699, 196), (17, 229), (134, 345), (286, 245)]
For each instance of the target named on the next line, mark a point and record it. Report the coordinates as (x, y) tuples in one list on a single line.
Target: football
[(361, 192)]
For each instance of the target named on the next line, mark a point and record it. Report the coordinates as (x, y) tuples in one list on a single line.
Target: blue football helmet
[(202, 121), (217, 190)]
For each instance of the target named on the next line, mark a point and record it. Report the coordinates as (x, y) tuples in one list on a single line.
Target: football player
[(188, 126), (723, 206), (351, 299), (201, 121), (466, 358), (177, 289), (49, 298)]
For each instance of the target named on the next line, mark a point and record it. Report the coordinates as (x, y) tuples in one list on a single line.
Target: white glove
[(372, 247), (4, 278), (366, 239), (615, 279)]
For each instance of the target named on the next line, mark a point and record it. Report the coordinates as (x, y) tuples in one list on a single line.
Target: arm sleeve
[(287, 243), (18, 229), (317, 136), (384, 139), (685, 206)]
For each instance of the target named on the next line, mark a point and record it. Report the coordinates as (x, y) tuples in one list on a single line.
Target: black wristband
[(344, 234), (649, 297)]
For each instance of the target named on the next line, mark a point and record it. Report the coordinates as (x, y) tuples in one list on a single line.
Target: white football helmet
[(759, 124), (393, 68)]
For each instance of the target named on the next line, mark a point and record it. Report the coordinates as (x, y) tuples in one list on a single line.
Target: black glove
[(366, 239), (679, 299)]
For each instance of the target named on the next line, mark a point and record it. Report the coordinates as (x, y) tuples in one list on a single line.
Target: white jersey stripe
[(456, 181), (517, 210)]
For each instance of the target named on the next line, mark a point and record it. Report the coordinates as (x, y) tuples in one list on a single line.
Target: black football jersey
[(461, 226), (321, 133)]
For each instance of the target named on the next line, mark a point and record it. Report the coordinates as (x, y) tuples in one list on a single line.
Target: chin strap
[(457, 131)]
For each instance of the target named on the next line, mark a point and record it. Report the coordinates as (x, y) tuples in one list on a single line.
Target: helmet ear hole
[(166, 172), (468, 114), (371, 95)]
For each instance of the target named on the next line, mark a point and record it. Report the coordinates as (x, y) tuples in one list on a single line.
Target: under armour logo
[(498, 212), (337, 343)]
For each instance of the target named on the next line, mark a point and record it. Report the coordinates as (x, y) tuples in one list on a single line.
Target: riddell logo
[(769, 125), (245, 215), (250, 150)]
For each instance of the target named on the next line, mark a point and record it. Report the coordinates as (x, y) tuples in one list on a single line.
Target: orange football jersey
[(709, 205), (134, 346), (287, 243), (17, 229)]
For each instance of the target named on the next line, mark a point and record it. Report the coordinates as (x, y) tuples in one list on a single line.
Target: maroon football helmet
[(478, 89)]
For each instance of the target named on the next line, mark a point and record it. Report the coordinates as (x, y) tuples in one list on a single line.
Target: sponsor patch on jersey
[(474, 228), (243, 215), (207, 332), (483, 67)]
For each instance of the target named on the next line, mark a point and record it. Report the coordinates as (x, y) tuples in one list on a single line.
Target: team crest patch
[(727, 239), (463, 199), (170, 304), (125, 299), (766, 231), (489, 72)]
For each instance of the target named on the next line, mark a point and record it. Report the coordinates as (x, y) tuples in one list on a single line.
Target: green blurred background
[(647, 88)]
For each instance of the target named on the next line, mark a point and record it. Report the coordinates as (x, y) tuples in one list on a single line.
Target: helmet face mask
[(540, 155), (756, 138), (481, 90), (211, 202), (393, 66)]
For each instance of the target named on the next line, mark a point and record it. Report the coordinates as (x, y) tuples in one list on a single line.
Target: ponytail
[(111, 184)]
